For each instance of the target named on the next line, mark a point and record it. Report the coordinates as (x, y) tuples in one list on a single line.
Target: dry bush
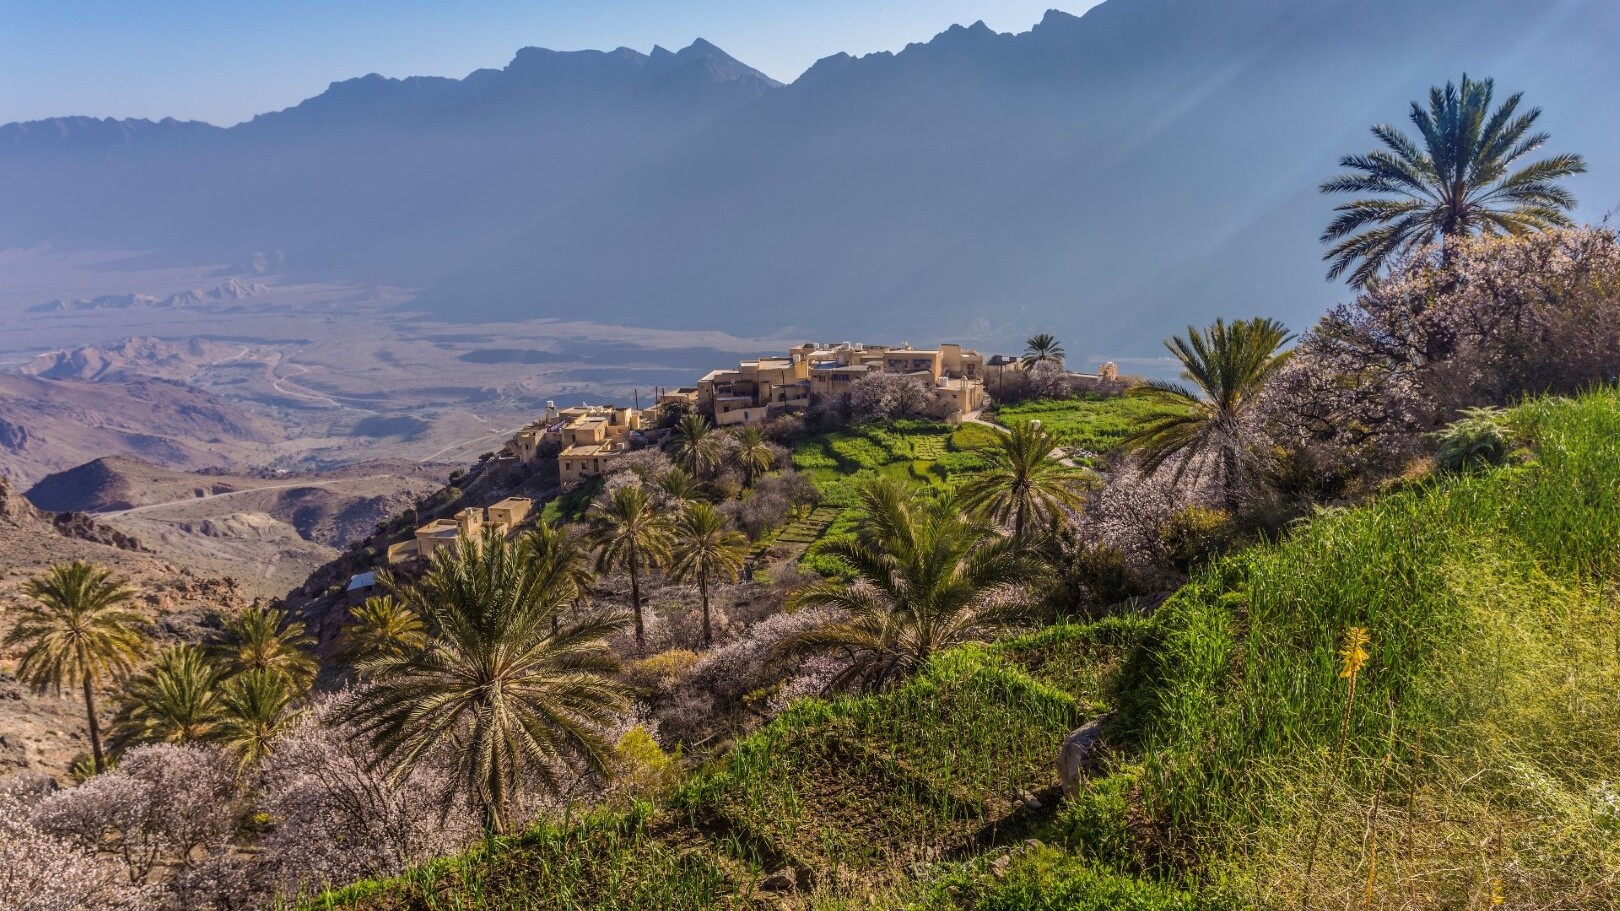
[(162, 805), (44, 872), (337, 817)]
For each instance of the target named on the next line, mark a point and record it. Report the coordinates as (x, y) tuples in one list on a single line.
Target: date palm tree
[(1228, 365), (706, 550), (632, 534), (255, 707), (511, 700), (175, 700), (924, 578), (697, 446), (381, 626), (680, 487), (263, 638), (1024, 484), (1465, 175), (1042, 348), (753, 454), (75, 628)]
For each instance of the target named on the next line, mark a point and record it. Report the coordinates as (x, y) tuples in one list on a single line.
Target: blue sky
[(225, 60)]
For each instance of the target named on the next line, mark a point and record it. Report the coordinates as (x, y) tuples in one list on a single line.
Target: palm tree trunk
[(95, 729), (1229, 468), (635, 599), (703, 590)]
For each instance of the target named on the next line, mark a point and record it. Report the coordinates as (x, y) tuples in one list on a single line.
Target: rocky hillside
[(49, 425), (271, 530), (42, 733)]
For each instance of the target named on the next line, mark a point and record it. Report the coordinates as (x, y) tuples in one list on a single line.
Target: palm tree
[(1023, 484), (565, 554), (75, 629), (262, 638), (255, 707), (176, 700), (925, 578), (705, 550), (1465, 178), (1042, 349), (630, 533), (697, 446), (511, 699), (754, 455), (1228, 366), (678, 486), (381, 626)]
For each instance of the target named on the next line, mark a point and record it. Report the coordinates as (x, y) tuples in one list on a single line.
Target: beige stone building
[(761, 388), (585, 438), (504, 517)]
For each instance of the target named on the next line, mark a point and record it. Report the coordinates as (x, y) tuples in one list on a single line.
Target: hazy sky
[(226, 60)]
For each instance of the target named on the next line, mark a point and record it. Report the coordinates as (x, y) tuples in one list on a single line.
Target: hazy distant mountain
[(1109, 177)]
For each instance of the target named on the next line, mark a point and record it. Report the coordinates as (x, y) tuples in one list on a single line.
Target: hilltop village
[(584, 439)]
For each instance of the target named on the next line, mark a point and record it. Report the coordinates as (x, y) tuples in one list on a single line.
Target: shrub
[(164, 803), (642, 770), (1481, 439), (44, 872), (660, 672), (1195, 535)]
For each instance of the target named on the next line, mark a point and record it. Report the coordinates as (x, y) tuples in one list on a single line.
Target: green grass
[(606, 862), (920, 452), (1485, 720), (571, 506), (1097, 424), (1478, 760)]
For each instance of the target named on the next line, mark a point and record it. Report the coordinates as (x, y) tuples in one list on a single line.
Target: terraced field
[(922, 452), (844, 797)]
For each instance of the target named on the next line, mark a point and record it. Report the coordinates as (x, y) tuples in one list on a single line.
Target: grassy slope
[(922, 452), (1096, 424), (1484, 726), (1485, 722)]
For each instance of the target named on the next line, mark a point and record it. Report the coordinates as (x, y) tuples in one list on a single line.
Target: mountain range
[(1109, 177)]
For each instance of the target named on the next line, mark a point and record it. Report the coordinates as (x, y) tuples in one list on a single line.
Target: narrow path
[(232, 493)]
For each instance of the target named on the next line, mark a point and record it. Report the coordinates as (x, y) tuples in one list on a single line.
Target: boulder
[(786, 879), (1078, 755)]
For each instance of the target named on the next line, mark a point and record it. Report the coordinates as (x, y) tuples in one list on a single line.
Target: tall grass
[(1095, 423), (1489, 606), (606, 862)]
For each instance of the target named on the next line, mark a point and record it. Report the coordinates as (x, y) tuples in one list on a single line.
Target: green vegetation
[(573, 505), (1485, 711), (1470, 763), (605, 862), (1095, 423), (838, 463)]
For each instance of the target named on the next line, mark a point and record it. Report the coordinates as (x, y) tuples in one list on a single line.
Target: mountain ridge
[(1137, 166)]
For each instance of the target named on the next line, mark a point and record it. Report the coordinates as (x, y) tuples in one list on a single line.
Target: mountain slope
[(1148, 164), (48, 425), (1476, 760)]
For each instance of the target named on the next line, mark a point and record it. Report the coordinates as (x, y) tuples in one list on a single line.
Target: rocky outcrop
[(13, 436), (1078, 756)]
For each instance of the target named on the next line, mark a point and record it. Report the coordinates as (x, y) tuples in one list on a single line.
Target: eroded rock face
[(1078, 755), (13, 436)]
